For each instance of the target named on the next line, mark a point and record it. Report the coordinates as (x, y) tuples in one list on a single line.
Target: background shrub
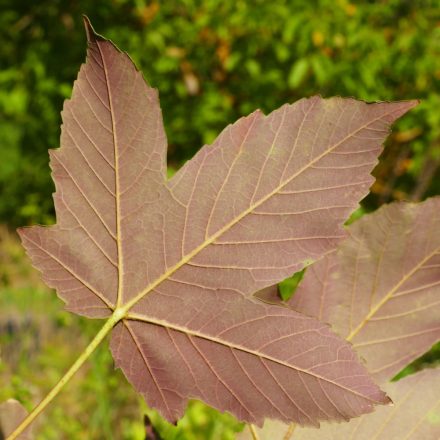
[(213, 61)]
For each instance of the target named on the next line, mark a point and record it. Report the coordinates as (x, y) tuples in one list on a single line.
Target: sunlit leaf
[(381, 290), (178, 260)]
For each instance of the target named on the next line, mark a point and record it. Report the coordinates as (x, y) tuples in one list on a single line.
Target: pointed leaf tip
[(408, 105), (88, 27), (92, 36), (412, 103)]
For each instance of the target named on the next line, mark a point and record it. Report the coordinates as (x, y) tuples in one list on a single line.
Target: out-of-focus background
[(212, 61)]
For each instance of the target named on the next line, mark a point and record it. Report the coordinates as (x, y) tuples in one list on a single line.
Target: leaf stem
[(288, 435), (253, 431), (105, 329)]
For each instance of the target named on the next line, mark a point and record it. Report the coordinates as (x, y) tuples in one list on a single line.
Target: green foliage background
[(212, 61)]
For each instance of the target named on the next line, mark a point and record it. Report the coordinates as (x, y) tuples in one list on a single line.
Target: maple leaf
[(380, 290), (173, 264)]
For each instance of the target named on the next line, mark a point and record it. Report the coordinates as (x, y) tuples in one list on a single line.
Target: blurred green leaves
[(214, 61)]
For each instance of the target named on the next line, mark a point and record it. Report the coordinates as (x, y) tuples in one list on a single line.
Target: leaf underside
[(415, 415), (182, 258), (381, 289)]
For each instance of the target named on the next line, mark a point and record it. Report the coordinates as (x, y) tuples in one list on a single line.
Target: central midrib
[(126, 307), (389, 295), (117, 192), (189, 332)]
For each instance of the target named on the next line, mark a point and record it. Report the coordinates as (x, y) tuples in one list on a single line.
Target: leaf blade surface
[(381, 290), (259, 360), (415, 415), (236, 218)]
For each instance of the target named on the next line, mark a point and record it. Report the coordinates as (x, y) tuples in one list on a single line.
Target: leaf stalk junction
[(118, 314)]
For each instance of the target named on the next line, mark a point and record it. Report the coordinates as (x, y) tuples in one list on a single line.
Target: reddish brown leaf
[(381, 290), (251, 359), (179, 260)]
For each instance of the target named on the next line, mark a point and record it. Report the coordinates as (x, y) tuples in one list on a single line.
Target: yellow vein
[(90, 235), (269, 153), (421, 420), (260, 391), (255, 116), (76, 276), (220, 232), (89, 163), (92, 142), (288, 395), (373, 291), (117, 201), (224, 383), (408, 312), (193, 333), (394, 411), (388, 296), (355, 280), (404, 360), (298, 134), (396, 338), (83, 193), (139, 348)]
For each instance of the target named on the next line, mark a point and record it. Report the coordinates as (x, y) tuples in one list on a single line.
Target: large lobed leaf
[(381, 290), (179, 260)]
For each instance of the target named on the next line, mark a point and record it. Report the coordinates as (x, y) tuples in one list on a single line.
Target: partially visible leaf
[(288, 286), (282, 291), (297, 73), (12, 413), (415, 415), (381, 290), (271, 295), (176, 259)]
